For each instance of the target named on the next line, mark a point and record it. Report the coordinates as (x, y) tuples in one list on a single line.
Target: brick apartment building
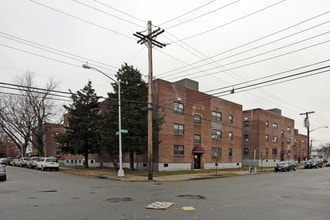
[(199, 131), (300, 146), (7, 147), (268, 137)]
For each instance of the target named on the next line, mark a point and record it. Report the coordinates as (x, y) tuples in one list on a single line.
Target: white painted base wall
[(208, 166)]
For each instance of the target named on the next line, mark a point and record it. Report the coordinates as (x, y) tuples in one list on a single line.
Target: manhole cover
[(117, 199), (192, 196)]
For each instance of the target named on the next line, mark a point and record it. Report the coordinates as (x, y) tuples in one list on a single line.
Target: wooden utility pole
[(306, 123), (150, 41), (150, 154)]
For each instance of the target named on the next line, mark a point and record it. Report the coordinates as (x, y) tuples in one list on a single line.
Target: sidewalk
[(112, 174)]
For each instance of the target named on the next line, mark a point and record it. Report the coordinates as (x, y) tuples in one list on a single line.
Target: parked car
[(14, 162), (285, 166), (48, 163), (328, 164), (3, 160), (3, 174), (22, 162), (32, 162), (313, 163)]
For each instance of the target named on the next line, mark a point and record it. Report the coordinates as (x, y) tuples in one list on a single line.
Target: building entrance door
[(197, 161)]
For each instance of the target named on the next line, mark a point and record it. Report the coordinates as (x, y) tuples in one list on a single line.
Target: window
[(230, 152), (197, 139), (246, 151), (178, 107), (246, 138), (267, 124), (274, 151), (288, 141), (216, 152), (267, 151), (275, 126), (216, 116), (274, 140), (178, 129), (231, 119), (216, 134), (230, 135), (267, 137), (246, 124), (178, 150), (282, 133), (289, 130), (197, 119)]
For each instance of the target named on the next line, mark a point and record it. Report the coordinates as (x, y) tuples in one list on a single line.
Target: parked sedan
[(49, 163), (328, 164), (3, 174), (285, 166), (32, 162), (313, 163)]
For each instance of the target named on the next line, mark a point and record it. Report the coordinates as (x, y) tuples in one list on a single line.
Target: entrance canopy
[(198, 149)]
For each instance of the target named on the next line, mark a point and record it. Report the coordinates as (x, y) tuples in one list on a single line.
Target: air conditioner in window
[(214, 154), (214, 136)]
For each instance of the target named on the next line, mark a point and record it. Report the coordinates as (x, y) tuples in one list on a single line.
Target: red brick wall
[(195, 102)]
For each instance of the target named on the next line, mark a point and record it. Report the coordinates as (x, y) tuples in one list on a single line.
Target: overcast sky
[(222, 44)]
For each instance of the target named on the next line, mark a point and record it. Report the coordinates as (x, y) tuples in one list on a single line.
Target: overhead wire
[(52, 50), (104, 12), (251, 42), (191, 19), (186, 13), (83, 20), (251, 49), (259, 61), (240, 18), (247, 84)]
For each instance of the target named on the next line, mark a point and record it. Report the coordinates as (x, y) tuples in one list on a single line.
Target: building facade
[(199, 131), (268, 137)]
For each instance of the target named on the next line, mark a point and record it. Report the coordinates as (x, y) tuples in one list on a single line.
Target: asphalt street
[(31, 194)]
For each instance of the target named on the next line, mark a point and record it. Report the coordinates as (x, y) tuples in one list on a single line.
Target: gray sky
[(221, 44)]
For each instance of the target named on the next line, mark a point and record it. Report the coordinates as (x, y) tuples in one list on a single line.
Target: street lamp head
[(86, 66)]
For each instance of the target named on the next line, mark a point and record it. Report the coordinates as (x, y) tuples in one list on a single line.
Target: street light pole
[(121, 170), (309, 131)]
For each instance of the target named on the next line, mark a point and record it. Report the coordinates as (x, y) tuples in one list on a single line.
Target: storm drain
[(188, 196), (120, 199)]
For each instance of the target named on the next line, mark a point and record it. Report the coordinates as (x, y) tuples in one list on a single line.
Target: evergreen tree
[(83, 130), (134, 93)]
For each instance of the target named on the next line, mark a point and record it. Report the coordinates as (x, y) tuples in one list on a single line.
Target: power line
[(260, 54), (104, 12), (238, 19), (52, 50), (259, 61), (222, 7), (195, 9), (229, 89), (83, 20), (251, 42), (108, 6)]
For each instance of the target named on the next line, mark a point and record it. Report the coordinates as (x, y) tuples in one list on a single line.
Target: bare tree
[(22, 116)]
